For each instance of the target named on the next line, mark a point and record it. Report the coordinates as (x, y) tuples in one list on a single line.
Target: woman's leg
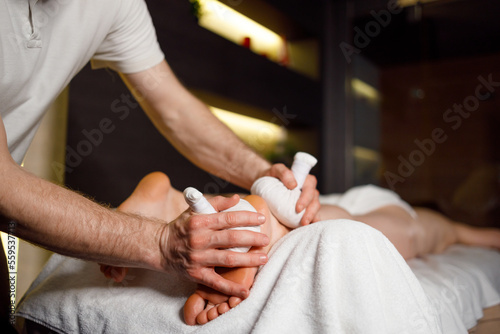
[(398, 226), (443, 232), (428, 233)]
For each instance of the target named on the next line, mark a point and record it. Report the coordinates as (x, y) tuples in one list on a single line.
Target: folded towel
[(329, 277)]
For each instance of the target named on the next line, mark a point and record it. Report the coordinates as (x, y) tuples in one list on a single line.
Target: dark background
[(437, 49)]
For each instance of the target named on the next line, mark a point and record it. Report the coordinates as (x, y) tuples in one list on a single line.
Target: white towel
[(329, 277), (363, 199)]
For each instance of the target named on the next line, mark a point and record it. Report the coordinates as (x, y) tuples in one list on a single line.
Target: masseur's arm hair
[(190, 126), (65, 222)]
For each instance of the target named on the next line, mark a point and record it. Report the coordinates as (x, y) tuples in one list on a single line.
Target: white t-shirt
[(43, 45)]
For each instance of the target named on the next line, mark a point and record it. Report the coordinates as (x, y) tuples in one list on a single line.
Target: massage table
[(335, 276)]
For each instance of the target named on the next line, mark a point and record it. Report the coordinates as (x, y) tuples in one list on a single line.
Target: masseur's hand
[(309, 199), (192, 243)]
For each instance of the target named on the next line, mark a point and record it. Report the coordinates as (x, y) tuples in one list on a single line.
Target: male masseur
[(43, 44)]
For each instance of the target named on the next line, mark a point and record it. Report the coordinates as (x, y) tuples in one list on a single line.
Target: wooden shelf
[(265, 30), (205, 61)]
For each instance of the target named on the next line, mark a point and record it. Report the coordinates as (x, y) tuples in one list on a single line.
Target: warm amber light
[(407, 3), (261, 135), (234, 26), (363, 89), (367, 154)]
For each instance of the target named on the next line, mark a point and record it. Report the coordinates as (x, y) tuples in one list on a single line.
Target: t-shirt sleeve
[(131, 44)]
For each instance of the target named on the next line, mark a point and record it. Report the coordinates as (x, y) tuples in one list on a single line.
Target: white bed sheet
[(458, 285)]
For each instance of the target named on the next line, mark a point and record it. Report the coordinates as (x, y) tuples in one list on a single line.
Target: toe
[(118, 273), (192, 308), (212, 313), (223, 308), (202, 318), (107, 272), (234, 301)]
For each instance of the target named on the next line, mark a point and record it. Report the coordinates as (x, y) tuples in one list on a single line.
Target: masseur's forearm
[(218, 150), (67, 223), (193, 129)]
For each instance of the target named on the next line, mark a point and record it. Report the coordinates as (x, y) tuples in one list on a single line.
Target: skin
[(429, 233), (207, 304), (186, 245), (177, 114), (190, 244), (154, 197)]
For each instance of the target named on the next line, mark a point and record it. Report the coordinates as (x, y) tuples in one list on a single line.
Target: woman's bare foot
[(154, 197), (207, 304)]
